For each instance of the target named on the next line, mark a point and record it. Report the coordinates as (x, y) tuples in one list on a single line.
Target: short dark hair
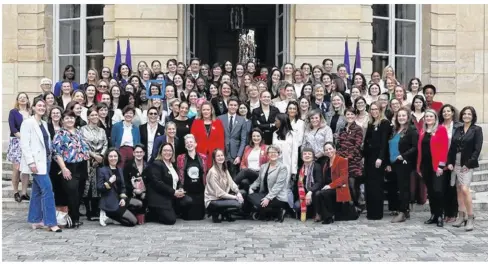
[(233, 98), (105, 159), (327, 59), (68, 113), (473, 112), (341, 65), (128, 108), (429, 86), (152, 108), (141, 146), (351, 110), (195, 59), (329, 143)]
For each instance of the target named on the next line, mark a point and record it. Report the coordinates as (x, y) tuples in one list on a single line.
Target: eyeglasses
[(105, 72), (153, 114), (103, 86)]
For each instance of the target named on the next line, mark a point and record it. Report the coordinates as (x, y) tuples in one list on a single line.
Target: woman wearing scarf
[(307, 183)]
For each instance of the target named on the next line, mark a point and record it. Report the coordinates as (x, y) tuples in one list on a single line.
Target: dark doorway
[(216, 41)]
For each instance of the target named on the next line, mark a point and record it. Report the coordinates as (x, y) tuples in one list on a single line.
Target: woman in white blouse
[(317, 133), (290, 96)]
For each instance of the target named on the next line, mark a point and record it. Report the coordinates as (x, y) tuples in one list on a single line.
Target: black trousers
[(402, 174), (60, 198), (245, 178), (273, 205), (391, 185), (72, 188), (221, 206), (450, 196), (196, 209), (374, 185), (435, 191), (354, 184), (127, 217), (233, 169), (82, 181), (326, 203), (167, 216)]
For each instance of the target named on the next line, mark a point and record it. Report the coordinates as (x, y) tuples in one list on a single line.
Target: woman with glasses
[(269, 193)]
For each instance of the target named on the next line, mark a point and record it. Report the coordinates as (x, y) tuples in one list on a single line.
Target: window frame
[(83, 40), (392, 55)]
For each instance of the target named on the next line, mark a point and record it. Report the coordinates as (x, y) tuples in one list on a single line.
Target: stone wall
[(26, 53), (319, 32), (155, 32)]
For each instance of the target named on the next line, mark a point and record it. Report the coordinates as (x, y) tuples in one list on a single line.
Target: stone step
[(483, 165), (8, 191), (480, 176), (7, 176), (10, 203), (481, 186)]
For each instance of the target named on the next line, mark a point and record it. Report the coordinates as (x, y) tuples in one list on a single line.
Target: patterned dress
[(96, 140)]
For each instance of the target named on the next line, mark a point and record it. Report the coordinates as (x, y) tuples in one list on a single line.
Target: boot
[(461, 220), (470, 223), (440, 221), (399, 218), (432, 220), (215, 218)]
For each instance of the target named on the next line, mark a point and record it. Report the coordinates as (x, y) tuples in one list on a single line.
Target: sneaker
[(103, 218)]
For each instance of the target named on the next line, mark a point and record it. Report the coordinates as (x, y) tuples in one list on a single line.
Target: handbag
[(347, 212)]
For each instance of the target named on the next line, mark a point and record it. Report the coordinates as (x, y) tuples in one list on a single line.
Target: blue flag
[(128, 55), (346, 60), (118, 60), (357, 61)]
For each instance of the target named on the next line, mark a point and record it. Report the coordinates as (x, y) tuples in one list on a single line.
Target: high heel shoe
[(38, 226), (328, 221), (440, 221), (55, 229), (461, 220), (281, 216), (432, 220)]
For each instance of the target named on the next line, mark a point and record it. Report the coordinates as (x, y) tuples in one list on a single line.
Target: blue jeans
[(41, 207)]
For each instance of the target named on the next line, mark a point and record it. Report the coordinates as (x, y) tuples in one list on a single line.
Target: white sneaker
[(103, 218)]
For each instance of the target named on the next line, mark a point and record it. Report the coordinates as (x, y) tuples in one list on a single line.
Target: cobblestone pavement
[(248, 240)]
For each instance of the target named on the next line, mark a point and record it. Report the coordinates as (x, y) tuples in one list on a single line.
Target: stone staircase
[(479, 189)]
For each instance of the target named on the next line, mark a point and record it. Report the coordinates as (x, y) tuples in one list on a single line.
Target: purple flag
[(118, 60), (346, 60), (128, 55), (357, 62)]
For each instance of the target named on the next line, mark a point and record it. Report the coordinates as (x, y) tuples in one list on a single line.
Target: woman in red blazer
[(431, 160), (254, 157), (208, 132), (336, 190)]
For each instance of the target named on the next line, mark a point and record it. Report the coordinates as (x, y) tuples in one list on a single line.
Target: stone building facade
[(451, 47)]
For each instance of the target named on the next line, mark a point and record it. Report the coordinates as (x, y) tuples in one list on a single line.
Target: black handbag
[(347, 212)]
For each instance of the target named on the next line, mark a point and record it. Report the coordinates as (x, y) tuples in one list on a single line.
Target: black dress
[(194, 187), (182, 129)]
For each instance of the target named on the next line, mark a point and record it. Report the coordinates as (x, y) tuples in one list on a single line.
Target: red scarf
[(302, 195)]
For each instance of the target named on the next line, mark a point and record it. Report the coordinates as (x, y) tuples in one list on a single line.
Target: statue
[(247, 47)]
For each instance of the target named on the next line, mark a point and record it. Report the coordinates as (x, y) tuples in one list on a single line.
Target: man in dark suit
[(150, 131), (342, 74), (264, 116), (235, 131)]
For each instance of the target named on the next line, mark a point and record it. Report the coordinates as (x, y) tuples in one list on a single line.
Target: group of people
[(231, 141)]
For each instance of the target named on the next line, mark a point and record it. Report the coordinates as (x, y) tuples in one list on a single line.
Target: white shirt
[(253, 159), (289, 151), (174, 175), (281, 105), (151, 134), (127, 139), (253, 106), (298, 89), (299, 128)]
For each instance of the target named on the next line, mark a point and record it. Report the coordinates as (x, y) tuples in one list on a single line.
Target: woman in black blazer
[(375, 159), (164, 192), (311, 179), (264, 117), (132, 174), (463, 159), (150, 131), (402, 159), (111, 185)]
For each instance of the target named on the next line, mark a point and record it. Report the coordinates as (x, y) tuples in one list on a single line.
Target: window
[(78, 39), (396, 40)]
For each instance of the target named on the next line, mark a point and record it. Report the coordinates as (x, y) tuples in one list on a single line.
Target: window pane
[(94, 62), (405, 38), (94, 10), (405, 11), (405, 69), (70, 60), (69, 11), (94, 35), (379, 63), (69, 37), (280, 9), (280, 60), (192, 34), (280, 35), (380, 35), (380, 10)]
